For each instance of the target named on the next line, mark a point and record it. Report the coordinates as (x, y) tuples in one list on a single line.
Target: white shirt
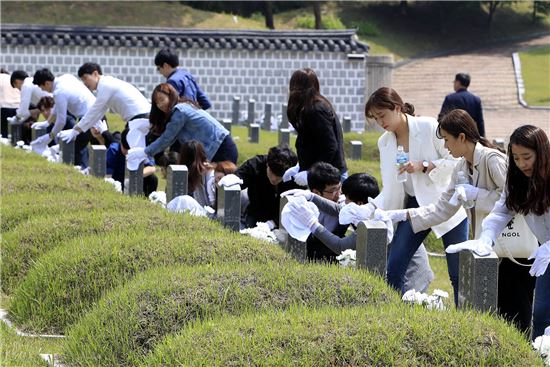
[(30, 94), (10, 97), (118, 96), (70, 94)]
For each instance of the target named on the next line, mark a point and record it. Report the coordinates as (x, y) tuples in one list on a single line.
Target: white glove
[(542, 259), (40, 125), (271, 224), (353, 213), (42, 140), (304, 215), (289, 173), (481, 247), (381, 215), (135, 157), (301, 178), (399, 215), (470, 191), (308, 195), (230, 180), (12, 120), (101, 126), (68, 135)]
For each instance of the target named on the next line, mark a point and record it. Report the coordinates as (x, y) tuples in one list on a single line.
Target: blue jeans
[(541, 305), (405, 243), (227, 151)]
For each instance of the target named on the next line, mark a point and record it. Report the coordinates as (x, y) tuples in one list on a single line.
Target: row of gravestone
[(478, 276)]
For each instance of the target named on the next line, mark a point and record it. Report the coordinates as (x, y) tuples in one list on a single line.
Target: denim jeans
[(541, 307), (405, 243)]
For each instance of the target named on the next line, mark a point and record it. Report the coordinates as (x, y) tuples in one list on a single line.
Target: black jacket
[(320, 139), (264, 197), (464, 100)]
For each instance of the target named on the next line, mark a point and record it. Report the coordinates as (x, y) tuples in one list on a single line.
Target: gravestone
[(284, 121), (346, 124), (356, 148), (251, 108), (477, 281), (254, 133), (267, 117), (98, 160), (227, 124), (236, 106), (133, 181), (15, 131), (284, 136), (176, 181), (66, 151), (294, 247), (372, 246), (36, 133), (229, 206)]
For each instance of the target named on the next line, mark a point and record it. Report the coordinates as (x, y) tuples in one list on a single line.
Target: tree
[(540, 7), (268, 13), (491, 8), (317, 14)]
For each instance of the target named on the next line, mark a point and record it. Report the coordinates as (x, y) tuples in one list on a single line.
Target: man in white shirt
[(10, 98), (70, 96), (117, 95), (30, 95)]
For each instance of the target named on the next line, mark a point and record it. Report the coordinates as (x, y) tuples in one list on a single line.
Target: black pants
[(150, 184), (4, 114), (515, 292)]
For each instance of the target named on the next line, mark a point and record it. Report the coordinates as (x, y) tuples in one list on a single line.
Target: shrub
[(390, 335), (329, 21), (165, 300), (66, 281)]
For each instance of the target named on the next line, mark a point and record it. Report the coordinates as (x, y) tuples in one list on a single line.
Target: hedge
[(65, 282), (389, 335), (129, 321)]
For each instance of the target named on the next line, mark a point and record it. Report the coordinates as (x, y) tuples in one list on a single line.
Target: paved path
[(425, 82)]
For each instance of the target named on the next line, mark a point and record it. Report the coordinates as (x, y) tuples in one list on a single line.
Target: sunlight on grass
[(535, 69)]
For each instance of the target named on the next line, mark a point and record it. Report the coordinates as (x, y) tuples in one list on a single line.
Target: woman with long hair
[(428, 171), (320, 137), (527, 192), (200, 177)]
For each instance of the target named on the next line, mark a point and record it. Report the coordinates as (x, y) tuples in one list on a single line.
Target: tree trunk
[(268, 13), (317, 14), (493, 5)]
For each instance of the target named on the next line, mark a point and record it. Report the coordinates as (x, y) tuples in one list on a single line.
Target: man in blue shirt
[(167, 63), (464, 100)]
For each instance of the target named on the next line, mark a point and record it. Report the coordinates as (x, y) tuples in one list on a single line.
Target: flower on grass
[(261, 231), (158, 197), (542, 345), (347, 258), (116, 184), (433, 302)]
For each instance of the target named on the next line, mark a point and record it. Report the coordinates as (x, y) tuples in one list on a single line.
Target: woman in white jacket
[(429, 170), (527, 192)]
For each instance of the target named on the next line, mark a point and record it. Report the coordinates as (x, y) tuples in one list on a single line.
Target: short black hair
[(321, 175), (359, 187), (89, 68), (45, 102), (167, 56), (42, 76), (123, 140), (281, 158), (463, 79), (18, 75)]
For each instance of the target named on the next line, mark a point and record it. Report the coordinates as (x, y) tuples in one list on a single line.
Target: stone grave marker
[(176, 181), (372, 246)]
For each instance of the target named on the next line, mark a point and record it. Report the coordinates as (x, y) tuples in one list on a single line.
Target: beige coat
[(488, 175)]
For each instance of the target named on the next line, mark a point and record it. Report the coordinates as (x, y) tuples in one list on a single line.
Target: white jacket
[(423, 145)]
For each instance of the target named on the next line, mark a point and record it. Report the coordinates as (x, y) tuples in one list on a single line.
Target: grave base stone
[(176, 181), (133, 181), (98, 160), (477, 281), (66, 151), (372, 246), (229, 206)]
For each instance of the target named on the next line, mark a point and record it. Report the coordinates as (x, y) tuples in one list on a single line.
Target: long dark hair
[(458, 122), (304, 93), (387, 98), (529, 194), (157, 117), (192, 155)]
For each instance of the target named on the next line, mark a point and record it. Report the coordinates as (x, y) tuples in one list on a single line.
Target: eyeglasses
[(333, 190)]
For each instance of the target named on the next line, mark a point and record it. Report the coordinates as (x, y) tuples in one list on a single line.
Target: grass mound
[(165, 300), (66, 281), (390, 335)]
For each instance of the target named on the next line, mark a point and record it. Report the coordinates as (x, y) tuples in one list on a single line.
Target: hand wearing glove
[(271, 224), (308, 195), (42, 140), (101, 126), (382, 216), (481, 247), (230, 180), (542, 259), (399, 215), (289, 173), (135, 157), (12, 120), (470, 191), (304, 215), (68, 135), (353, 213), (301, 178), (40, 125)]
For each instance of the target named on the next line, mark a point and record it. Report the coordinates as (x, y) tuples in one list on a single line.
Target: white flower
[(433, 302), (261, 231), (5, 141), (158, 197), (440, 293), (116, 184), (347, 258)]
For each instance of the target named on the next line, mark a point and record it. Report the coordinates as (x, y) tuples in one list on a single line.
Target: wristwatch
[(425, 164)]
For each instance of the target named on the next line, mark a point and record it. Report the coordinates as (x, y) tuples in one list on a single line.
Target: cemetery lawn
[(535, 70)]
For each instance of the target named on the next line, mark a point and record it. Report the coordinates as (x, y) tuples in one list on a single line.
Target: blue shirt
[(187, 87), (190, 123), (116, 162)]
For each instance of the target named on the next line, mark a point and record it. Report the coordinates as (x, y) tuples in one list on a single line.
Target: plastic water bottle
[(462, 179), (401, 160)]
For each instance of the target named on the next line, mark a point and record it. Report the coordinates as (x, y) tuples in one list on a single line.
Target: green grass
[(18, 351), (535, 70), (388, 335), (166, 300)]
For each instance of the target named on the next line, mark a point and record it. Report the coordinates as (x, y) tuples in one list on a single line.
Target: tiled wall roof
[(323, 40)]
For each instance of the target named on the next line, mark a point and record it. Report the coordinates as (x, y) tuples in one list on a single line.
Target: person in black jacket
[(320, 137), (262, 175), (461, 99)]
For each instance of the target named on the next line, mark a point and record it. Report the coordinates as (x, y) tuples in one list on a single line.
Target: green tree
[(540, 7)]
